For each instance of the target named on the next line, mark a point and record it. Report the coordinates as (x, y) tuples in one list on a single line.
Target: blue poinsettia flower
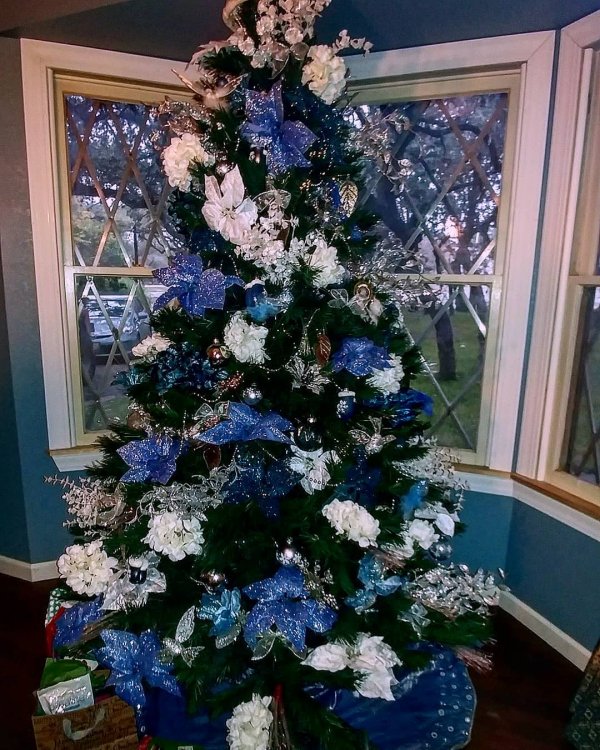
[(153, 459), (264, 485), (194, 288), (133, 660), (284, 603), (223, 609), (283, 141), (360, 356), (403, 407)]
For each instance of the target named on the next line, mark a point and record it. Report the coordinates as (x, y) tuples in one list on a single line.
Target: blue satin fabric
[(433, 710)]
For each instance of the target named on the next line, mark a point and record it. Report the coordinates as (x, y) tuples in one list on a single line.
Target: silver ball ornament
[(440, 550), (252, 395)]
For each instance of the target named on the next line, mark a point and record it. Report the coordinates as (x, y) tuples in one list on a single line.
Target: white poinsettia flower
[(324, 259), (422, 533), (151, 346), (332, 657), (226, 209)]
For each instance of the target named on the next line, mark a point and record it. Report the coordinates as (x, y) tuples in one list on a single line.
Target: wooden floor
[(522, 704)]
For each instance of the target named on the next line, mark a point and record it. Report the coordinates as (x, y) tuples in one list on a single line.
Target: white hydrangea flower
[(332, 657), (226, 209), (86, 568), (324, 259), (388, 380), (178, 156), (422, 533), (151, 346), (250, 724), (174, 536), (245, 340), (352, 520), (325, 73)]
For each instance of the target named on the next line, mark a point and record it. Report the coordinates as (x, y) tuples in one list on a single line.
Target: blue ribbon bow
[(195, 288), (283, 602), (70, 626), (132, 659), (371, 575), (360, 356), (153, 459), (245, 424), (284, 141)]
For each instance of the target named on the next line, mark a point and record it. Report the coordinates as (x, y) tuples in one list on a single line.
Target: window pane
[(113, 316), (582, 439), (118, 192), (452, 330), (439, 188)]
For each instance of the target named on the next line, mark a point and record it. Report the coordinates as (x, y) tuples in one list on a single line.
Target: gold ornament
[(348, 196), (364, 291)]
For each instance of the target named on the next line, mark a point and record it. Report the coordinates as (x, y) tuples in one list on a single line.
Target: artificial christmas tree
[(271, 528)]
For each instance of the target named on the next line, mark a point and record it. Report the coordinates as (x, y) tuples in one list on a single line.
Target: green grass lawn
[(467, 351)]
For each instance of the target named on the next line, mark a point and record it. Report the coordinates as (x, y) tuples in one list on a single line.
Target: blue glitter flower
[(284, 603), (153, 459), (360, 356), (262, 485), (195, 288), (244, 424), (223, 609), (132, 660), (283, 141)]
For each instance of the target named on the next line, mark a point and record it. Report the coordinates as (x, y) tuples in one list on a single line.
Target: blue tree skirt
[(433, 710)]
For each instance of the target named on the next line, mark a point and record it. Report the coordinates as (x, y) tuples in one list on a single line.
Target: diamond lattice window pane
[(451, 331), (113, 316), (118, 191), (582, 439), (436, 176)]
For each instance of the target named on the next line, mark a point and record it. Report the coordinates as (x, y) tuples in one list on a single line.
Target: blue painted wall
[(32, 513), (556, 571), (485, 541)]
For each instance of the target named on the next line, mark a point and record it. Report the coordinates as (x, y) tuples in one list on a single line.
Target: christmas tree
[(270, 520)]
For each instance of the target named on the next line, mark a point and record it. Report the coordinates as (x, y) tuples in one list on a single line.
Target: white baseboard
[(544, 629), (44, 571)]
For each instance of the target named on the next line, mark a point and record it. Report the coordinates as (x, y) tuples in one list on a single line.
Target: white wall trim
[(544, 629), (32, 572), (488, 484), (560, 512)]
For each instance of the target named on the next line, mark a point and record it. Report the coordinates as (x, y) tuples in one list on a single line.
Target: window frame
[(559, 287), (42, 62), (458, 85), (529, 55)]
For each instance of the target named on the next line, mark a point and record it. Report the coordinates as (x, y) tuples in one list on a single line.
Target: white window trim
[(40, 60), (532, 56), (546, 368)]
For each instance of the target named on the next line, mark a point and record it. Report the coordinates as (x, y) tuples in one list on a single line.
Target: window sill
[(580, 504), (75, 459)]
